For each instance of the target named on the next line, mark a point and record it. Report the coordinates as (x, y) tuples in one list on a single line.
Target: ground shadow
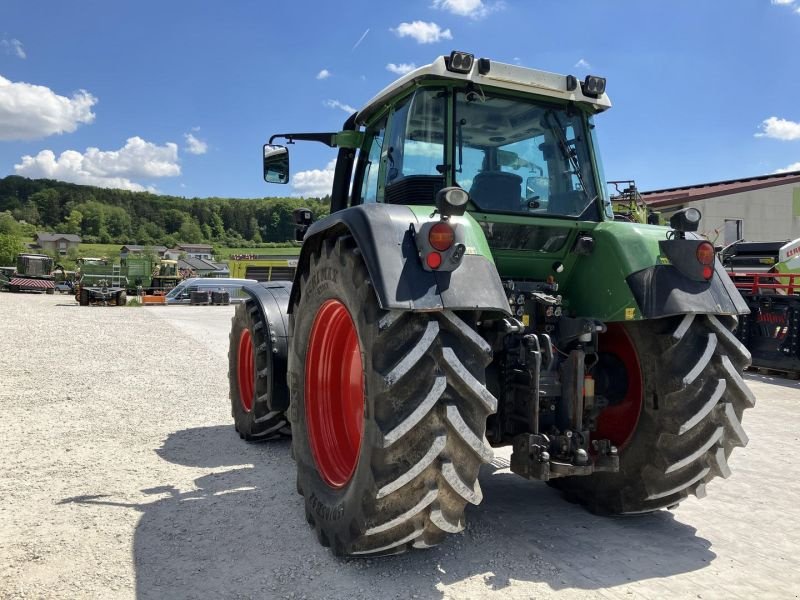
[(241, 532), (782, 381)]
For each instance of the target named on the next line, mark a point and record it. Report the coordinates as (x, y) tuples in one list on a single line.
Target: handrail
[(752, 282)]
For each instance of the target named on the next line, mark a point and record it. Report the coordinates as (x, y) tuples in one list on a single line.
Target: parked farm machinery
[(471, 289), (262, 267), (767, 275), (149, 275), (100, 282), (34, 273)]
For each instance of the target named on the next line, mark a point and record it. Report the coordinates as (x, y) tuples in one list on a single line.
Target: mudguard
[(384, 234), (272, 299), (662, 290)]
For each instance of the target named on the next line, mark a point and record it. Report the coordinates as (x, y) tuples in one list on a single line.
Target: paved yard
[(122, 477)]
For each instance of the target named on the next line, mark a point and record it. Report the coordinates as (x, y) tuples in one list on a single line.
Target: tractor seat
[(497, 190)]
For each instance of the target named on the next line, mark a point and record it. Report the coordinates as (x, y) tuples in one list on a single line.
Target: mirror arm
[(329, 139)]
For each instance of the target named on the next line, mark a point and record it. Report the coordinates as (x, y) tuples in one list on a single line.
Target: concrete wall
[(767, 214)]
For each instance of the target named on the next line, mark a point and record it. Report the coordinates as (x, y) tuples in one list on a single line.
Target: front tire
[(256, 377), (388, 412), (692, 400)]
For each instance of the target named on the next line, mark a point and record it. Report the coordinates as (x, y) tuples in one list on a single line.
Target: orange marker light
[(705, 254), (441, 236)]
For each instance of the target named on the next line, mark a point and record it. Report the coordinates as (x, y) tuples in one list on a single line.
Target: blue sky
[(179, 96)]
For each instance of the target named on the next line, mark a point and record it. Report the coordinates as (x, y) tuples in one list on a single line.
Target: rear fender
[(384, 235), (272, 300)]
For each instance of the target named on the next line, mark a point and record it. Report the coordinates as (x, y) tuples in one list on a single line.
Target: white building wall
[(766, 214)]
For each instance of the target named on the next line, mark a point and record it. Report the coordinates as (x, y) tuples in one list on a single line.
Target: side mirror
[(303, 217), (276, 164)]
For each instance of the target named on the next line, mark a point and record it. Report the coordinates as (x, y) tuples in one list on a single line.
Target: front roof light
[(594, 86), (460, 62)]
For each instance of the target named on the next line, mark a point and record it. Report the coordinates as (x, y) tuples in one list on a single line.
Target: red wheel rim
[(334, 394), (618, 422), (246, 370)]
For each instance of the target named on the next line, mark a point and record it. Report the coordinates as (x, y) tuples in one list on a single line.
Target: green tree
[(10, 246), (190, 233), (119, 223), (8, 224), (48, 203)]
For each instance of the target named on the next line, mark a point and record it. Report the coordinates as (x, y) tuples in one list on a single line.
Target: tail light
[(441, 236), (705, 256), (434, 260)]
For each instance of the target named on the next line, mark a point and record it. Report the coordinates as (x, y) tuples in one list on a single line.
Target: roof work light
[(460, 62), (684, 220), (594, 86)]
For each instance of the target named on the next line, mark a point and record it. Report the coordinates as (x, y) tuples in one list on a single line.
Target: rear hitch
[(533, 459)]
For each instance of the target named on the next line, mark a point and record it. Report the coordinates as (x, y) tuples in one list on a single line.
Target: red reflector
[(441, 236), (434, 260), (705, 254), (707, 272)]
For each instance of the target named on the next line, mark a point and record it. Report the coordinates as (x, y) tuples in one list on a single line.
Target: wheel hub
[(618, 421), (246, 369), (334, 394)]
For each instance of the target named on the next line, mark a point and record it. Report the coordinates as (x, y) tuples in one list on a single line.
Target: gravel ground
[(123, 478)]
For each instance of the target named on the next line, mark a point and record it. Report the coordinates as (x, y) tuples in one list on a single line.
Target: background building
[(57, 242), (756, 209)]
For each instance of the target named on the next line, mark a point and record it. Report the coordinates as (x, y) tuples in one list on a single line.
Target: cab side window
[(372, 166)]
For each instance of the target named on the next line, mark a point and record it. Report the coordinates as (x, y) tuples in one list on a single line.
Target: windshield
[(176, 291), (522, 156)]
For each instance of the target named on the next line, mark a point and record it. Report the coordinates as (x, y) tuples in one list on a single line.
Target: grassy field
[(111, 251), (225, 253)]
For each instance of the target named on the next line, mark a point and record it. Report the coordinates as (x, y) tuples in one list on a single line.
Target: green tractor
[(471, 289)]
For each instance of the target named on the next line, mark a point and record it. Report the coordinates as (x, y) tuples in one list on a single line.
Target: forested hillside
[(105, 216)]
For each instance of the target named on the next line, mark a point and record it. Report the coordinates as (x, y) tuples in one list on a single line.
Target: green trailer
[(100, 282), (150, 275)]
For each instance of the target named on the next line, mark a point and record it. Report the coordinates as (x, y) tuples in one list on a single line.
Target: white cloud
[(336, 104), (779, 129), (105, 168), (315, 183), (361, 39), (324, 74), (29, 112), (194, 145), (789, 169), (782, 2), (13, 47), (424, 33), (474, 9), (401, 69), (582, 64)]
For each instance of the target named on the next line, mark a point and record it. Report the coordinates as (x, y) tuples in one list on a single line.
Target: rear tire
[(83, 297), (690, 420), (256, 377), (122, 298), (421, 384)]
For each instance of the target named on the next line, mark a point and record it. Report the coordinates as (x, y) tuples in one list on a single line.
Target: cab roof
[(500, 75)]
